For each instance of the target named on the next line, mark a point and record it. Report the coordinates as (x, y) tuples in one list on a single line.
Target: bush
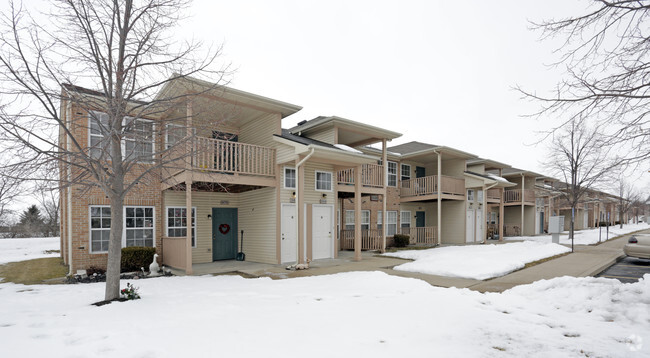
[(95, 270), (617, 223), (602, 223), (135, 257), (400, 240)]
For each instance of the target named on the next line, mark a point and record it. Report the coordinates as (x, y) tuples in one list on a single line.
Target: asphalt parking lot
[(628, 270)]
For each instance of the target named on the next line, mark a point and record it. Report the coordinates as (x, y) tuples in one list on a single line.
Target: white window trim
[(167, 132), (402, 214), (470, 195), (90, 229), (391, 223), (284, 177), (196, 237), (346, 223), (316, 180), (362, 221), (402, 166), (124, 139), (389, 174), (124, 222)]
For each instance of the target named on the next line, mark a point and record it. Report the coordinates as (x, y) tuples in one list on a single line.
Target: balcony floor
[(219, 181)]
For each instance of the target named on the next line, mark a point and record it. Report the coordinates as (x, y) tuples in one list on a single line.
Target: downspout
[(523, 190), (439, 181), (485, 208), (300, 163)]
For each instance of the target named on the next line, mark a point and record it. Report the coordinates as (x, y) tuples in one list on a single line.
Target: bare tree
[(11, 188), (607, 59), (125, 53), (627, 196), (46, 194), (578, 156)]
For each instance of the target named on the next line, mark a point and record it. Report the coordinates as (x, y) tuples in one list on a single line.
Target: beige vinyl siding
[(327, 135), (203, 202), (284, 154), (453, 167), (529, 220), (477, 168), (257, 217), (473, 183), (260, 131), (311, 195), (453, 222)]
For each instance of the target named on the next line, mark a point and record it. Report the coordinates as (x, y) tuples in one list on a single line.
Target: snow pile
[(585, 237), (353, 314), (477, 262), (347, 148), (12, 250)]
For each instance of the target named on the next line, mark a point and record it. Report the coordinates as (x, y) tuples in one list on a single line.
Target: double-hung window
[(289, 178), (405, 219), (391, 223), (406, 172), (138, 222), (323, 181), (138, 139), (177, 223), (365, 219), (100, 228), (98, 134), (379, 220), (349, 220), (392, 174)]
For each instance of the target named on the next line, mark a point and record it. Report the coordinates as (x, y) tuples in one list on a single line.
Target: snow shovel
[(240, 255)]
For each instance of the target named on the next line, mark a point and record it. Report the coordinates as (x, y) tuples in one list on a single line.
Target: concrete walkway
[(584, 261)]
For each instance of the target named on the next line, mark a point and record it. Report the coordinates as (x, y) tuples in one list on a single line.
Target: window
[(349, 220), (139, 226), (177, 223), (479, 195), (379, 220), (405, 219), (98, 123), (406, 172), (138, 139), (365, 219), (100, 228), (289, 178), (470, 195), (323, 181), (391, 223), (392, 174)]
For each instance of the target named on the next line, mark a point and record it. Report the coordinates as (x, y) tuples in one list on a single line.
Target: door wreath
[(224, 228)]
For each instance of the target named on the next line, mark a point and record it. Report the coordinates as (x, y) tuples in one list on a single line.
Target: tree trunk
[(114, 250)]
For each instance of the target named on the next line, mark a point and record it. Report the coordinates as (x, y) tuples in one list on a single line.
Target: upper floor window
[(406, 172), (470, 195), (138, 142), (289, 178), (392, 174), (323, 181), (98, 128)]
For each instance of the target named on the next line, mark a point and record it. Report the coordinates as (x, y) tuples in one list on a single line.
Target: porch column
[(384, 160), (300, 213), (357, 213), (188, 191), (484, 223), (523, 189), (502, 224), (438, 185)]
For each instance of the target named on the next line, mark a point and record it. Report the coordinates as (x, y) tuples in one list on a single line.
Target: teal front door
[(419, 219), (224, 233)]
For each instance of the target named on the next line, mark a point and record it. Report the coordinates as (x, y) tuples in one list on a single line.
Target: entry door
[(469, 229), (322, 243), (541, 222), (288, 237), (419, 219), (420, 172), (586, 220), (479, 225), (224, 233)]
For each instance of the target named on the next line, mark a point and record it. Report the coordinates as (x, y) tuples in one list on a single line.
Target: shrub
[(135, 257), (400, 240), (602, 223), (95, 270)]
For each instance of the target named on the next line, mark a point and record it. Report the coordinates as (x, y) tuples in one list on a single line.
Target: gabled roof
[(286, 134), (414, 149), (323, 150), (491, 179), (516, 171), (489, 163), (82, 90), (411, 147), (350, 132)]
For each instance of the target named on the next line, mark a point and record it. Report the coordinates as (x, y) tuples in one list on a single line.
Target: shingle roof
[(304, 140), (411, 147)]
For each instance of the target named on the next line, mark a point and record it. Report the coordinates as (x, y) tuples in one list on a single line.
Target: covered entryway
[(322, 238), (224, 233), (288, 240)]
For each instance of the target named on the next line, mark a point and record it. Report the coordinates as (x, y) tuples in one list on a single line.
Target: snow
[(479, 262), (12, 250), (347, 149), (585, 237), (368, 314), (498, 178)]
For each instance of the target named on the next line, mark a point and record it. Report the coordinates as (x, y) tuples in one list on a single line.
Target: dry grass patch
[(530, 264), (33, 272)]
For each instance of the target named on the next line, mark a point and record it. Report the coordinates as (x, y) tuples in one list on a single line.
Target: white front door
[(469, 230), (288, 237), (322, 243), (479, 225), (586, 220)]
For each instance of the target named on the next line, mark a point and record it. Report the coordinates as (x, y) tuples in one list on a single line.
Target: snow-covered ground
[(478, 262), (26, 249), (369, 314), (585, 237)]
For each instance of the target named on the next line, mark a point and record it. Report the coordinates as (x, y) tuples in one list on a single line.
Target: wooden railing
[(429, 185), (371, 175), (223, 156), (514, 195), (421, 235), (494, 194), (370, 239)]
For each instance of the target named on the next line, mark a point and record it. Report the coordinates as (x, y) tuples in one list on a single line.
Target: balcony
[(514, 196), (426, 188), (221, 161), (493, 195), (372, 178)]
